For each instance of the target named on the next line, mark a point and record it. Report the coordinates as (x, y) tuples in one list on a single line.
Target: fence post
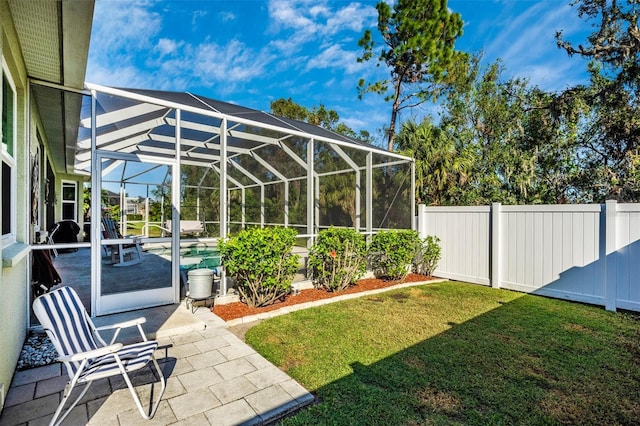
[(422, 220), (496, 252), (610, 263)]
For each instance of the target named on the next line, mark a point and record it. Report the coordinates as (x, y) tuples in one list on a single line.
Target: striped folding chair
[(85, 354)]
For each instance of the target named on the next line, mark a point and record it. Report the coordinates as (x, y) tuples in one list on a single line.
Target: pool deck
[(212, 378)]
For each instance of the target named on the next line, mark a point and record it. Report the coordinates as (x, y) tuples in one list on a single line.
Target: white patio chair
[(84, 352)]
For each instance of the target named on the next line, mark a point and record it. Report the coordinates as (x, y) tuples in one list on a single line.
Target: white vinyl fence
[(587, 253)]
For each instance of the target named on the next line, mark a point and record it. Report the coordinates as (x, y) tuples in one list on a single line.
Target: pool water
[(192, 257)]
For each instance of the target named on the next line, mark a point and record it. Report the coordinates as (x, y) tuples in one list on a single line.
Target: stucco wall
[(13, 318), (15, 275)]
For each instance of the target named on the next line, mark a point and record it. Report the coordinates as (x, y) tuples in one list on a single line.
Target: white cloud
[(319, 31), (318, 20), (354, 17), (123, 24), (168, 47), (116, 37), (335, 57), (226, 16), (232, 62), (127, 51), (528, 48), (195, 17)]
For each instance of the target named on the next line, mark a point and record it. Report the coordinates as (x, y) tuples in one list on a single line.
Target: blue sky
[(251, 52)]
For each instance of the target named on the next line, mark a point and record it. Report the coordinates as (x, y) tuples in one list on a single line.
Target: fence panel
[(553, 250), (464, 239), (586, 253), (627, 256)]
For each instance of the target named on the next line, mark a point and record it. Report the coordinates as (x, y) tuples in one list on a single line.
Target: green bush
[(337, 259), (262, 264), (427, 256), (391, 253)]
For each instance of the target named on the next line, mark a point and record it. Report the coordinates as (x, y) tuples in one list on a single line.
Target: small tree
[(418, 39), (262, 264), (391, 253), (338, 258)]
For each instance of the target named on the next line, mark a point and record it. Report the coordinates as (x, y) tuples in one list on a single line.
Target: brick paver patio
[(212, 378)]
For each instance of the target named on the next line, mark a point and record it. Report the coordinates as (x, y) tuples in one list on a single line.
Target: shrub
[(391, 253), (337, 259), (427, 256), (261, 262)]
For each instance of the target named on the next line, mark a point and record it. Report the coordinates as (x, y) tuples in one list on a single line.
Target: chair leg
[(134, 394), (67, 393)]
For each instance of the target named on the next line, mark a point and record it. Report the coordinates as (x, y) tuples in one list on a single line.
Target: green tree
[(418, 38), (289, 109), (606, 111), (337, 197), (500, 142), (442, 169), (319, 116)]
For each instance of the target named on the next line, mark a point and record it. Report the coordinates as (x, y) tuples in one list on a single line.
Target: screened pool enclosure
[(177, 172)]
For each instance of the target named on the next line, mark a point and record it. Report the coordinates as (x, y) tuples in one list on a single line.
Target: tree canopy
[(418, 38), (318, 115), (504, 140), (606, 111)]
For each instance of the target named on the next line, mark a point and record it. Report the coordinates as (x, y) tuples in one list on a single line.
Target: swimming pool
[(193, 257)]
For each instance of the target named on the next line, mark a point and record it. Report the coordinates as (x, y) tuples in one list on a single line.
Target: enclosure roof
[(143, 122)]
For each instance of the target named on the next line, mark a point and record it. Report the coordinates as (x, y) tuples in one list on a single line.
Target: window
[(9, 184), (69, 201)]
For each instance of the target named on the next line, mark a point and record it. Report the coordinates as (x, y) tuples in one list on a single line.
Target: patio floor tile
[(36, 374), (199, 379), (267, 376), (20, 394), (206, 359), (235, 413), (272, 402), (195, 402), (234, 368), (212, 378), (233, 389)]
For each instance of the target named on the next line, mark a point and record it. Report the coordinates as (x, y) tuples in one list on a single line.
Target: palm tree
[(440, 167)]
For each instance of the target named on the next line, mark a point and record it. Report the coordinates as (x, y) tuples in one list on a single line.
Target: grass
[(456, 353)]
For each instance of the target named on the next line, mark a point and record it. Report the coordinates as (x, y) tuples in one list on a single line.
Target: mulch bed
[(238, 310)]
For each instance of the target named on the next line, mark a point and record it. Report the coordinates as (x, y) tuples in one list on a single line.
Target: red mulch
[(238, 310)]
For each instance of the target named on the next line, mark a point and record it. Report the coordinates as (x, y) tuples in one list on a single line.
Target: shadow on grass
[(532, 360)]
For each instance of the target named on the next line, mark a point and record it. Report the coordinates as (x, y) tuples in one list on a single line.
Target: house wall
[(15, 275)]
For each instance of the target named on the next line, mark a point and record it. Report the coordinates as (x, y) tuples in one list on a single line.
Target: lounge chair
[(85, 354), (120, 252), (187, 226)]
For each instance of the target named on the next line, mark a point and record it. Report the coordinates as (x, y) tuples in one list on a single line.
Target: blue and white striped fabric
[(72, 332), (70, 329), (133, 358), (67, 323)]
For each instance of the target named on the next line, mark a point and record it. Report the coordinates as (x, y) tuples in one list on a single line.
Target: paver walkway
[(212, 378)]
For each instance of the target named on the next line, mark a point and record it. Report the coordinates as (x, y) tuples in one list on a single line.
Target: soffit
[(37, 25), (54, 38)]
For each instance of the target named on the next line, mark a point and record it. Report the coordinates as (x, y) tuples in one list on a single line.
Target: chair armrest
[(124, 324), (92, 354), (119, 326)]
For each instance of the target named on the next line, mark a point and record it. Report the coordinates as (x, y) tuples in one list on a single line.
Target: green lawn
[(456, 353)]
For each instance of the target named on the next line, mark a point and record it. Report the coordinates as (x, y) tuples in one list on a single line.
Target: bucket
[(200, 283)]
